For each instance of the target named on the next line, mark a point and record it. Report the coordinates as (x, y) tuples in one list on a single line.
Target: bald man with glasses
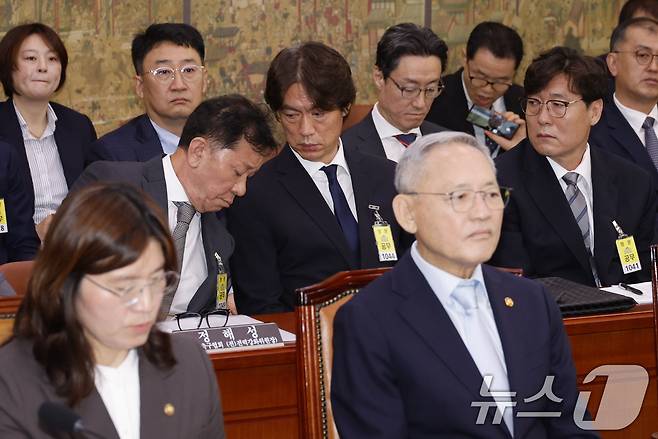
[(571, 203)]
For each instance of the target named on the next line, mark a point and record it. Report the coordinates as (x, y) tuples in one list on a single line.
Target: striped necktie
[(184, 214), (578, 205), (650, 140), (406, 139)]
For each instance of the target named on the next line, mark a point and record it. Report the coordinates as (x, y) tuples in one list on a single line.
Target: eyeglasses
[(555, 107), (414, 92), (464, 200), (642, 56), (193, 320), (161, 284), (483, 82), (189, 73)]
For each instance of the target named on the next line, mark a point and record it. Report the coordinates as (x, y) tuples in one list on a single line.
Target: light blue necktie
[(480, 344)]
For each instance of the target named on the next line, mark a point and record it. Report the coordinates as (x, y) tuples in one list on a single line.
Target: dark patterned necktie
[(342, 210), (651, 140), (406, 139)]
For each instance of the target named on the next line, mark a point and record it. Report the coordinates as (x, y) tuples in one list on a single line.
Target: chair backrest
[(316, 308), (357, 113), (18, 275)]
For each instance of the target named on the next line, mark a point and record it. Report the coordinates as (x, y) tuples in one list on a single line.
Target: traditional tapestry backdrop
[(243, 35)]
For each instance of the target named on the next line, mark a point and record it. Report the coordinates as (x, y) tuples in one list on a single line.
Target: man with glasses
[(420, 350), (493, 54), (571, 202), (320, 206), (407, 75), (171, 81), (628, 123)]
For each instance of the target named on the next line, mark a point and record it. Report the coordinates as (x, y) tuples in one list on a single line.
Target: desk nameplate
[(234, 338)]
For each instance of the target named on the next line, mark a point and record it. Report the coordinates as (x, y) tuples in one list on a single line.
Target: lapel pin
[(509, 302), (169, 409)]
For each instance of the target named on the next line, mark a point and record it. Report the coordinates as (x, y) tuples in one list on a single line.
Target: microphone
[(60, 418)]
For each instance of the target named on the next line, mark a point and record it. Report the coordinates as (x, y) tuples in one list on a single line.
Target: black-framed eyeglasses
[(189, 73), (642, 56), (414, 92), (193, 320), (555, 107), (464, 200), (497, 85), (160, 284)]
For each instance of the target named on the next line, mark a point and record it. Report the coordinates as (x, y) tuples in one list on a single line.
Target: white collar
[(635, 118), (384, 128), (168, 139), (313, 167), (584, 168), (50, 125), (175, 189)]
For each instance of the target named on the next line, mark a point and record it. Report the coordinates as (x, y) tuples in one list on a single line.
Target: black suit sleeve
[(511, 251)]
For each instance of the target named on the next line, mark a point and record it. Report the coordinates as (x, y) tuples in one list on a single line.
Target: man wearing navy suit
[(493, 54), (18, 238), (571, 202), (419, 352), (407, 75), (310, 211), (171, 81), (225, 141), (629, 120)]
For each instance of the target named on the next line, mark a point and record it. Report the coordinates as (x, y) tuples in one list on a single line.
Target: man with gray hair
[(421, 350)]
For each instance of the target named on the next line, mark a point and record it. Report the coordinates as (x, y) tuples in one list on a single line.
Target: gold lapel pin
[(509, 302), (169, 409)]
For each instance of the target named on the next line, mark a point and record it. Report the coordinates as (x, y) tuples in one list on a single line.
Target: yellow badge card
[(222, 279), (385, 244), (3, 217), (630, 261)]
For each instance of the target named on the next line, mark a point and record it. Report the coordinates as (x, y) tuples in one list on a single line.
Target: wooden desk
[(259, 387)]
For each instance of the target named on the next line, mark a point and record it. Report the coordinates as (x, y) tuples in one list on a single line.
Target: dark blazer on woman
[(74, 134), (190, 387)]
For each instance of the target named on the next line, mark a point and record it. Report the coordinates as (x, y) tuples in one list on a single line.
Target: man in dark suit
[(493, 54), (567, 194), (311, 210), (225, 141), (407, 75), (18, 238), (627, 125), (171, 81), (420, 351)]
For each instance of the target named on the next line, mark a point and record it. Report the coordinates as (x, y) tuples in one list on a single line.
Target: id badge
[(385, 243), (222, 279), (630, 262), (3, 217)]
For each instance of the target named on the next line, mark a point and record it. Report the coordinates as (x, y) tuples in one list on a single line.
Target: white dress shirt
[(636, 118), (119, 390), (168, 140), (321, 181), (46, 169), (194, 271), (584, 169), (387, 132), (498, 106)]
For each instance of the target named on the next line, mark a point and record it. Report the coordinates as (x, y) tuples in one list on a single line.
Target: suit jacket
[(21, 241), (540, 234), (287, 236), (74, 133), (364, 136), (149, 176), (136, 141), (190, 386), (401, 369), (614, 134), (451, 108)]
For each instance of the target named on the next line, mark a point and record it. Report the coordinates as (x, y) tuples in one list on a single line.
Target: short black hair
[(321, 70), (586, 77), (408, 39), (180, 34), (619, 34), (501, 40), (227, 119), (631, 7)]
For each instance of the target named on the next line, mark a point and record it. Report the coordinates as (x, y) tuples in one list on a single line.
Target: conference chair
[(356, 115), (18, 275), (316, 308)]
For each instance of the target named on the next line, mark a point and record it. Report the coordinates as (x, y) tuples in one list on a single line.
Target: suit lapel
[(95, 417), (10, 131), (624, 135), (155, 393), (146, 135), (605, 196), (153, 182), (301, 187), (457, 99), (364, 184), (369, 140), (543, 187)]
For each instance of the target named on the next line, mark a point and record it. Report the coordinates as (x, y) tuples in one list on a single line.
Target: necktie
[(651, 140), (184, 216), (578, 205), (406, 139), (342, 211), (493, 146), (480, 344)]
